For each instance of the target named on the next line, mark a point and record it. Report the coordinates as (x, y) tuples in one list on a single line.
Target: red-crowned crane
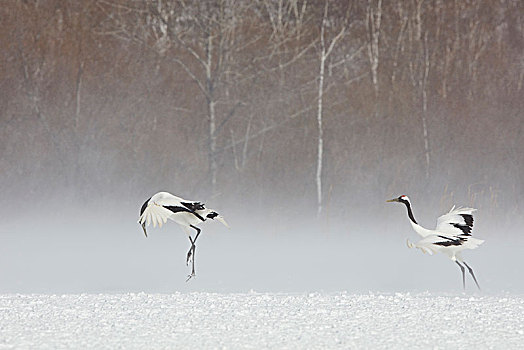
[(186, 213), (451, 236)]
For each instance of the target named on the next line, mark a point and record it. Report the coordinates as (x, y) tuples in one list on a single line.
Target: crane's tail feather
[(473, 243), (420, 245)]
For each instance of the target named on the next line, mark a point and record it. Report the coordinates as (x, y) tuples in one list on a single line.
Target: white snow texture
[(260, 321)]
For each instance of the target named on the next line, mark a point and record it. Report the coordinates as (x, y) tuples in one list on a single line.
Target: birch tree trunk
[(373, 26), (425, 104), (419, 64), (212, 146), (211, 116), (398, 49), (78, 89), (320, 140), (324, 54)]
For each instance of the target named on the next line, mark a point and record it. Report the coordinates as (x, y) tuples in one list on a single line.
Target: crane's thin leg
[(191, 252), (193, 241), (198, 232), (463, 274), (192, 249), (472, 274), (193, 262)]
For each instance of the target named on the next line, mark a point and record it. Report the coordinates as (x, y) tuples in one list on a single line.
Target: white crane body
[(451, 236), (186, 213)]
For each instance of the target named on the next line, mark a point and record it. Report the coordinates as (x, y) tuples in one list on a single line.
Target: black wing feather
[(144, 206), (176, 209), (468, 219), (466, 230), (468, 226), (450, 241), (193, 206), (189, 207)]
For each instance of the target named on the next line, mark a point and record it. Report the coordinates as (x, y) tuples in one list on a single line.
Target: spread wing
[(155, 214), (162, 206), (157, 209), (458, 221), (432, 243)]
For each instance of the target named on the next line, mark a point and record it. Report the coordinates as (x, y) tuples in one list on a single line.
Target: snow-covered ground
[(261, 320)]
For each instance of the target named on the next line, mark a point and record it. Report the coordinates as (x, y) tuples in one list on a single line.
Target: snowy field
[(261, 320)]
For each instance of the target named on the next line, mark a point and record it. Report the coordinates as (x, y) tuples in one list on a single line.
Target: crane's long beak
[(222, 220), (392, 200)]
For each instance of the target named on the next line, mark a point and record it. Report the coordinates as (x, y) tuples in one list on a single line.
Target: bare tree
[(325, 51), (373, 19), (232, 94), (399, 47), (419, 65), (201, 38)]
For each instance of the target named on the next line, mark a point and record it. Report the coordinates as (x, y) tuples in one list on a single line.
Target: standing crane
[(187, 214), (451, 236)]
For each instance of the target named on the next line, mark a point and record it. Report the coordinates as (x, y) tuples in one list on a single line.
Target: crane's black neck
[(410, 212)]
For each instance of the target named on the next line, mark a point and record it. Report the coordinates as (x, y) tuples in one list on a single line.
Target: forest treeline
[(280, 104)]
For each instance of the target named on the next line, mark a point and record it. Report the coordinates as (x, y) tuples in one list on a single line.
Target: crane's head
[(213, 215), (402, 199)]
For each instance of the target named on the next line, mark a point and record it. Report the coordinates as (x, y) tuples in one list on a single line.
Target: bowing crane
[(188, 214)]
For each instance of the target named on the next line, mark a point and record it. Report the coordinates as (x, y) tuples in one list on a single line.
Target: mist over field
[(73, 252)]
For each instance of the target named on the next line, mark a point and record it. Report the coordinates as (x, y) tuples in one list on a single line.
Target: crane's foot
[(190, 276)]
